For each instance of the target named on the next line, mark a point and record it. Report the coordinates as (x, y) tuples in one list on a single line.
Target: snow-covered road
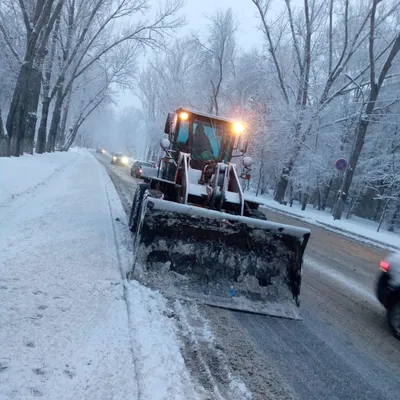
[(71, 327), (341, 350)]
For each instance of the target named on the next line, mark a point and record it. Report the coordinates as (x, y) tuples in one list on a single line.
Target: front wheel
[(136, 206), (394, 319), (257, 214)]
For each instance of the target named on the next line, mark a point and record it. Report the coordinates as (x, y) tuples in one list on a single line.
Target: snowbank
[(64, 325), (65, 330), (161, 373), (160, 367), (359, 228), (19, 175)]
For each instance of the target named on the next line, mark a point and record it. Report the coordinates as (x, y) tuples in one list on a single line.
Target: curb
[(334, 229), (122, 235), (357, 235)]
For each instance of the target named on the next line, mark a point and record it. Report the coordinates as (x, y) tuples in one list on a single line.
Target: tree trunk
[(393, 220), (291, 195), (285, 175), (383, 214), (72, 135), (282, 185), (60, 138), (4, 141), (55, 121), (41, 139), (363, 123), (260, 178), (349, 174), (17, 114), (326, 194), (22, 117), (32, 103), (304, 201), (317, 200)]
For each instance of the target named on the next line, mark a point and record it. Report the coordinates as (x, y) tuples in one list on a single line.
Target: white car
[(119, 159), (388, 290)]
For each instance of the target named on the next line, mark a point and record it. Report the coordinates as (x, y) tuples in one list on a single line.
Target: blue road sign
[(341, 164)]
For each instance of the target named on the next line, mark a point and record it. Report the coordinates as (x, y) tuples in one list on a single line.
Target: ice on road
[(65, 330)]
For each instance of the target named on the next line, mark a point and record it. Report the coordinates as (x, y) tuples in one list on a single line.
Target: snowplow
[(198, 235)]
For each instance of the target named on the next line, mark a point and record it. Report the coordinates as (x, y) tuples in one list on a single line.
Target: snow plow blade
[(220, 259)]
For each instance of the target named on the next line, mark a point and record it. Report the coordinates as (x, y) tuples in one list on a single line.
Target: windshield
[(147, 164), (208, 138), (118, 154)]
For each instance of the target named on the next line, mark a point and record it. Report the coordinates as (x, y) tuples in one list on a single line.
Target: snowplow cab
[(208, 138), (198, 236)]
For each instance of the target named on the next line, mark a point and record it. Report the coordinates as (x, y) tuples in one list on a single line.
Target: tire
[(136, 206), (257, 214), (382, 291), (394, 319)]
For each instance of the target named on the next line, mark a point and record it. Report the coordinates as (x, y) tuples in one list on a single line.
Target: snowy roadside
[(356, 228), (65, 329), (161, 373), (165, 343), (18, 176)]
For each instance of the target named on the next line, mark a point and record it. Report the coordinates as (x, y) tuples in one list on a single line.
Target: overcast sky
[(195, 12), (245, 12)]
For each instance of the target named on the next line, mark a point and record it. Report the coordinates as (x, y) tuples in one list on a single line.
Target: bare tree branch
[(262, 10), (25, 16)]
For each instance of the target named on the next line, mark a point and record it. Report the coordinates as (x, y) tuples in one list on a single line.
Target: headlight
[(114, 158), (238, 127), (125, 160), (184, 116)]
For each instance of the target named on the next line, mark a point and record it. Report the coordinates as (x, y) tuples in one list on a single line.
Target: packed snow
[(71, 326), (360, 228), (161, 371), (17, 176)]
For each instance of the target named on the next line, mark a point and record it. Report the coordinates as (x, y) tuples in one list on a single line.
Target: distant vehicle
[(119, 159), (142, 169), (100, 150), (388, 290)]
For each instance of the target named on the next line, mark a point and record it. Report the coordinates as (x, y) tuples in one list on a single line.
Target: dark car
[(143, 169), (119, 159), (388, 290), (100, 150)]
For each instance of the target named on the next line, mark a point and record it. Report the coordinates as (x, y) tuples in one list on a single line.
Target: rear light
[(384, 265)]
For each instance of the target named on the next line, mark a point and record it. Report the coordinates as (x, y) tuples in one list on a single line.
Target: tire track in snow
[(207, 365), (19, 200)]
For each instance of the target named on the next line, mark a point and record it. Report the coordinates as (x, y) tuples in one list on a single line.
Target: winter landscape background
[(314, 80)]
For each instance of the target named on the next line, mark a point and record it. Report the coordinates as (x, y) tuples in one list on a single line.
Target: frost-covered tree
[(65, 39)]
